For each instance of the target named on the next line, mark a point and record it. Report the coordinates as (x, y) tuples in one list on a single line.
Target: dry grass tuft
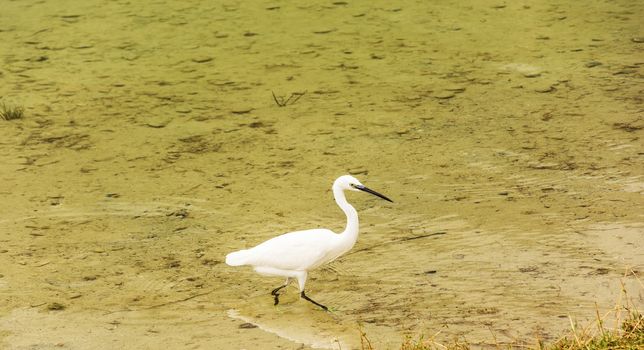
[(627, 333), (11, 112), (629, 336)]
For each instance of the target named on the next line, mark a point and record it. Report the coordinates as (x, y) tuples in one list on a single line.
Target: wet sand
[(508, 135)]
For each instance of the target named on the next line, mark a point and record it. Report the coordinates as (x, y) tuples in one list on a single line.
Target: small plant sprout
[(11, 112)]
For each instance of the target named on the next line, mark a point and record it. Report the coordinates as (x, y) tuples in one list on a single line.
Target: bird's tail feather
[(237, 258)]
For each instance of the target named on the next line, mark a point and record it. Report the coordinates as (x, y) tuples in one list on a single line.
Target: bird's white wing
[(300, 250)]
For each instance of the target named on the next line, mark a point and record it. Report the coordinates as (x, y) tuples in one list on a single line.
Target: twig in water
[(403, 239), (295, 96), (163, 304)]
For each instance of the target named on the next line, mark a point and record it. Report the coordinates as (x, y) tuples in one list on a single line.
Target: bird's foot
[(313, 301), (276, 295)]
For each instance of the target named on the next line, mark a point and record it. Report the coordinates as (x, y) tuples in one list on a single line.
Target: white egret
[(294, 254)]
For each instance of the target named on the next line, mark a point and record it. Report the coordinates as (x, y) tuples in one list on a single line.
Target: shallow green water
[(508, 135)]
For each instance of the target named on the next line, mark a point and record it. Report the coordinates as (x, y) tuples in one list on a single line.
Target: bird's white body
[(295, 251), (294, 254)]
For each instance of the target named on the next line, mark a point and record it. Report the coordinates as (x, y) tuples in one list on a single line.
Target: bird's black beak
[(368, 190)]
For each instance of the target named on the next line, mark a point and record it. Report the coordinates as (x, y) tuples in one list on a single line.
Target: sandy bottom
[(159, 137)]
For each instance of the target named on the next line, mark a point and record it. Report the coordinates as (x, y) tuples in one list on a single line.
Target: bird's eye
[(352, 185)]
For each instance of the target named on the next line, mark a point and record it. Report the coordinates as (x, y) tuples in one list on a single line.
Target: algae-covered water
[(160, 135)]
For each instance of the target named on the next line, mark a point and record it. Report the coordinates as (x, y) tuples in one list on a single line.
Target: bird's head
[(348, 182)]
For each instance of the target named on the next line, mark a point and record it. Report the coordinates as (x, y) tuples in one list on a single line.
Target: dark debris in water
[(629, 126), (528, 269), (55, 306), (247, 325), (210, 262), (181, 213), (599, 271), (173, 264), (592, 64)]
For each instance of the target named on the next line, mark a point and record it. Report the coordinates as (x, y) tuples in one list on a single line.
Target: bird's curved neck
[(350, 233)]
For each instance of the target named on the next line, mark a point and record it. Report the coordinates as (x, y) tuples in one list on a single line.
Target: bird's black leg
[(275, 293), (313, 301)]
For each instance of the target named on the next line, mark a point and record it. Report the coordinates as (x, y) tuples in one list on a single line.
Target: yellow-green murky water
[(507, 133)]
